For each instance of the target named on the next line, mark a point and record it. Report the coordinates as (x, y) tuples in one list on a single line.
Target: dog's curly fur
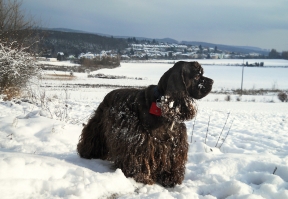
[(147, 147)]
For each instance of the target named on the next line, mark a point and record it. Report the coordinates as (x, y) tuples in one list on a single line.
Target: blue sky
[(260, 23)]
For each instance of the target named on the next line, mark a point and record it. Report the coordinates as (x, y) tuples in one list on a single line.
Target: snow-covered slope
[(38, 156)]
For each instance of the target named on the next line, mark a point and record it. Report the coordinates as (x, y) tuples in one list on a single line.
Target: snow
[(38, 156), (228, 62), (225, 77), (55, 62)]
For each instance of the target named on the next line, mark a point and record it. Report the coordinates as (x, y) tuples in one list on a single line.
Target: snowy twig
[(222, 129), (274, 170), (226, 134), (15, 122), (53, 130), (207, 129), (193, 129), (10, 136)]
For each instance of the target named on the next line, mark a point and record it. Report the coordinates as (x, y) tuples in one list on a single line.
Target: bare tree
[(17, 66), (15, 24)]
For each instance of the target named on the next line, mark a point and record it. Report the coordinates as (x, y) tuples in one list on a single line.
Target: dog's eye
[(197, 77)]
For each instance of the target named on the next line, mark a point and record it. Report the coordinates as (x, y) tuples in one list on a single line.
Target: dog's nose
[(210, 81)]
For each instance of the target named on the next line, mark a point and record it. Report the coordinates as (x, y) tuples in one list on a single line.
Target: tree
[(15, 25), (215, 49), (200, 48), (273, 54), (282, 97), (285, 54), (60, 56), (17, 66)]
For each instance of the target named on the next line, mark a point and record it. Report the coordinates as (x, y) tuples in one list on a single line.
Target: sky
[(259, 23)]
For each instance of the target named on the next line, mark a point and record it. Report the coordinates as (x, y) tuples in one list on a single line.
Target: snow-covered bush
[(228, 98), (88, 71), (17, 67), (282, 97)]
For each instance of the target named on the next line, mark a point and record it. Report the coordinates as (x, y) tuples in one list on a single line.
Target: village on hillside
[(163, 51), (146, 52)]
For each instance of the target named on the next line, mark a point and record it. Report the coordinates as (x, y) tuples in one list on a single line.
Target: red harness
[(154, 109)]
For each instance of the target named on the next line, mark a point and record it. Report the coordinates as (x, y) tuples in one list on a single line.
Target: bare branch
[(15, 24)]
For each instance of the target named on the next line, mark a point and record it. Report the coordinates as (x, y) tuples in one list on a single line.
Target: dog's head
[(180, 85), (186, 78)]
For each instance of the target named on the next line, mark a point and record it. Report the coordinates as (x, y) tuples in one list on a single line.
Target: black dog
[(142, 130)]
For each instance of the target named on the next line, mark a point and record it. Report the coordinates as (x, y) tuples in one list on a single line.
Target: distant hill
[(65, 30), (164, 40), (239, 49), (76, 41)]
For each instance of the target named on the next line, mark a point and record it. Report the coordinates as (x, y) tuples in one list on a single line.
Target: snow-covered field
[(38, 156)]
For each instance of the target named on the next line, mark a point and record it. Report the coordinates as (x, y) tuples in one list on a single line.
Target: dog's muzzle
[(205, 82)]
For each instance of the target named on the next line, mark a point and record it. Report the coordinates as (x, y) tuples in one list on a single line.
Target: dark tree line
[(97, 63), (75, 43), (143, 41), (273, 54)]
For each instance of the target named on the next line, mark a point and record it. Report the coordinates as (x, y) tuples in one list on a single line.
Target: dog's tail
[(92, 142)]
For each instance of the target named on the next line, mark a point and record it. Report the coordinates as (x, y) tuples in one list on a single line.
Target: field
[(38, 136)]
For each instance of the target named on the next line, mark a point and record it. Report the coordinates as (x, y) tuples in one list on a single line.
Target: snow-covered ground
[(226, 77), (38, 156), (267, 62), (58, 63)]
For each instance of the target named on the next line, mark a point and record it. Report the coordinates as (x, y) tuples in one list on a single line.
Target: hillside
[(237, 149), (236, 49), (74, 43)]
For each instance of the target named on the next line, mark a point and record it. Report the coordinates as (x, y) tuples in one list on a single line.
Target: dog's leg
[(92, 143), (138, 161), (173, 177), (174, 172)]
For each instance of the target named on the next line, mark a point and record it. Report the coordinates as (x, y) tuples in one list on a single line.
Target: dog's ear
[(172, 80)]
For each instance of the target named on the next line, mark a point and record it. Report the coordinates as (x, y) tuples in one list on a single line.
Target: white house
[(87, 55)]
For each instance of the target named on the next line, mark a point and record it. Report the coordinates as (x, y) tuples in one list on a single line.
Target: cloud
[(219, 21)]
